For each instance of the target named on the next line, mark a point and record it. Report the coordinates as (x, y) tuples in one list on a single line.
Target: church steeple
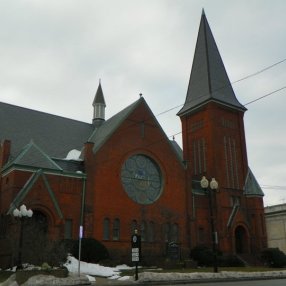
[(98, 107), (208, 80)]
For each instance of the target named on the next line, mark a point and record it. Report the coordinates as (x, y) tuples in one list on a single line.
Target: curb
[(188, 281)]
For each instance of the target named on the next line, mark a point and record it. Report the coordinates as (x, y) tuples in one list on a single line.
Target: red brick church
[(128, 175)]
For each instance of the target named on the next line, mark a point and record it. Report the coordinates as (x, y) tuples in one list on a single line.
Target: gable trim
[(26, 189)]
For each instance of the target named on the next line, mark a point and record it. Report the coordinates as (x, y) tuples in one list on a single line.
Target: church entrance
[(35, 237), (241, 240)]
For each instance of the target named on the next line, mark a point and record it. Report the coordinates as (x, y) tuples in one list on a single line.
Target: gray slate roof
[(55, 135), (252, 187), (33, 156), (42, 140), (99, 98), (208, 80), (104, 131)]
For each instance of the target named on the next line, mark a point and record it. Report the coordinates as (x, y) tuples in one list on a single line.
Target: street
[(273, 282)]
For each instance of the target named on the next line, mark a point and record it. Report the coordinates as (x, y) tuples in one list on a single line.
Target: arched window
[(175, 233), (201, 235), (167, 232), (68, 229), (116, 229), (143, 231), (151, 232), (106, 229)]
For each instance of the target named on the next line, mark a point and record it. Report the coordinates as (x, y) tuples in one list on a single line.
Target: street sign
[(136, 241), (135, 254), (136, 251)]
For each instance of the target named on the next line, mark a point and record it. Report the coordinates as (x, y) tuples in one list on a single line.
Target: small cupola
[(98, 107)]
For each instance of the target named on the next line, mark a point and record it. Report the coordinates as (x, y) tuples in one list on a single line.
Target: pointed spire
[(208, 80), (98, 107), (99, 98)]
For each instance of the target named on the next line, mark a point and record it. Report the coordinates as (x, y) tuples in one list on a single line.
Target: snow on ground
[(95, 269), (90, 270), (114, 273)]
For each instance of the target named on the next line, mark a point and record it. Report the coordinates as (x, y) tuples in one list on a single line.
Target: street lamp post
[(213, 187), (21, 214)]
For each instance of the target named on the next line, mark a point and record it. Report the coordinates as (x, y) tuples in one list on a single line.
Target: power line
[(261, 97), (273, 187), (236, 81), (260, 71)]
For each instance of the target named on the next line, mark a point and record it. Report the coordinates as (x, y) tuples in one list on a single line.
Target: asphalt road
[(273, 282)]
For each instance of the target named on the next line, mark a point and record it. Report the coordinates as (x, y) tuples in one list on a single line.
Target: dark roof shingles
[(55, 135)]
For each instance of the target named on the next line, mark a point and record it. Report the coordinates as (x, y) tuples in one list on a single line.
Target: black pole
[(136, 271), (19, 266), (214, 234)]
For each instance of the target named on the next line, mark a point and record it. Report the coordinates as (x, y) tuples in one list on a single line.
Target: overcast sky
[(53, 53)]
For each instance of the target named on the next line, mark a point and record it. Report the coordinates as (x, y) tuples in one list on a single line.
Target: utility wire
[(236, 81), (273, 187), (261, 97), (260, 71)]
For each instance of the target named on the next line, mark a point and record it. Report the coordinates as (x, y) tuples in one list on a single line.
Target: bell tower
[(212, 118), (214, 146)]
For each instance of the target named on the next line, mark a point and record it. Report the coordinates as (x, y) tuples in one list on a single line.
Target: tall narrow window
[(201, 235), (151, 233), (142, 129), (116, 229), (143, 231), (199, 156), (175, 233), (68, 228), (167, 232), (106, 229), (231, 162)]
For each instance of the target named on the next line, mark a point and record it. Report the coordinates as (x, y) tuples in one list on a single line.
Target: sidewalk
[(170, 278), (147, 278)]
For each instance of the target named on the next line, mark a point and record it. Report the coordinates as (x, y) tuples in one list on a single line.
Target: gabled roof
[(33, 156), (54, 134), (102, 133), (177, 149), (106, 130), (28, 186), (209, 80), (251, 187)]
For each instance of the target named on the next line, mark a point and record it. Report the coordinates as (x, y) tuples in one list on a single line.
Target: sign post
[(136, 251), (79, 247)]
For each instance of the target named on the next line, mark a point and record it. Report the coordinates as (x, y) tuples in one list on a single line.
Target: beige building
[(275, 217)]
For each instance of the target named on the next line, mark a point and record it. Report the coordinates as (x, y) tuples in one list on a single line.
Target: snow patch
[(73, 155), (94, 269)]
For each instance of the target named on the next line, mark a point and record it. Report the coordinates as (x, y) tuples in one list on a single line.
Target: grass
[(22, 275), (4, 275)]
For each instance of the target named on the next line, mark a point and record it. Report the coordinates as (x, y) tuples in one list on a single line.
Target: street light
[(21, 214), (213, 187)]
